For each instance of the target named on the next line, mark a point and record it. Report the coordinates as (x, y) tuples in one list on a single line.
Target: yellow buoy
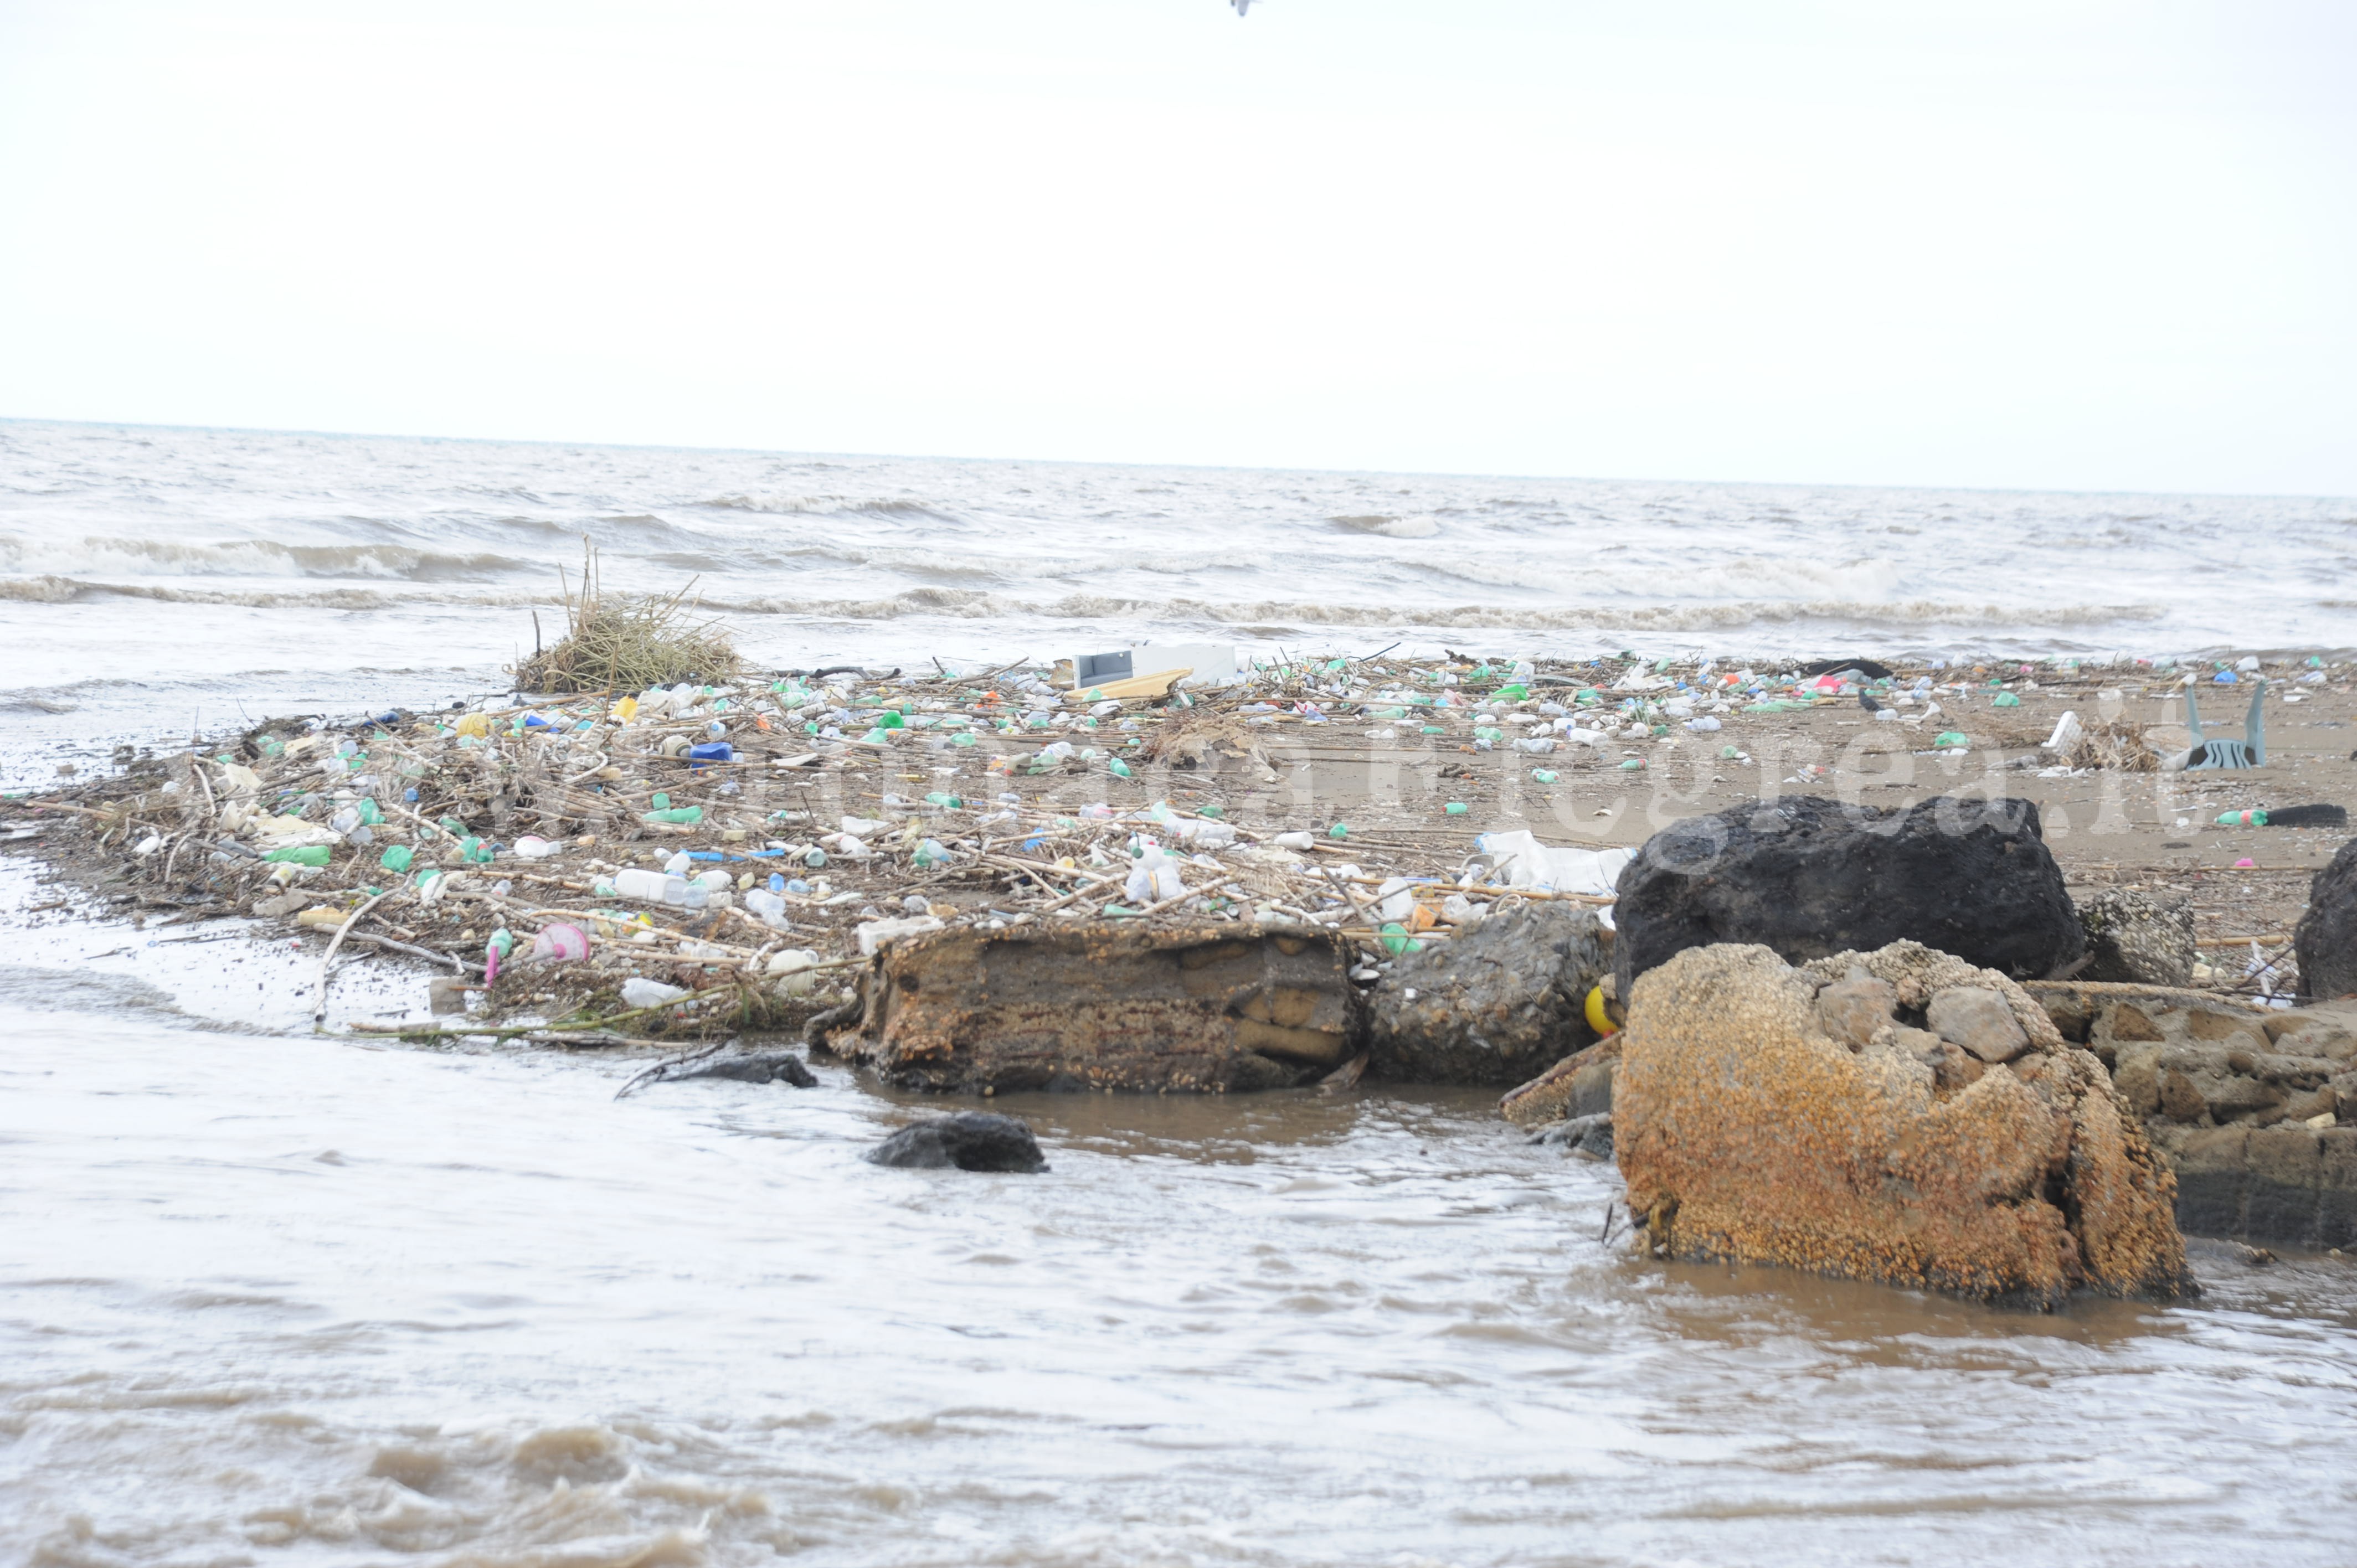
[(1598, 1018)]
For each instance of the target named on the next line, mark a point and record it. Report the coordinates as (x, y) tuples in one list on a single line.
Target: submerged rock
[(768, 1067), (969, 1141), (2325, 937), (2137, 936), (1493, 1005), (1748, 1132), (1808, 877), (1588, 1137)]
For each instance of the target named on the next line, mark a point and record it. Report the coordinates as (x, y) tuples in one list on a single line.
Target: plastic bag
[(1527, 862)]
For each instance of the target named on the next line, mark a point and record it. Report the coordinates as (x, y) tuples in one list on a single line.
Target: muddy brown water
[(272, 1299)]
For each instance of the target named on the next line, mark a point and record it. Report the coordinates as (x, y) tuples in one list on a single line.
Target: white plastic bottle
[(649, 887)]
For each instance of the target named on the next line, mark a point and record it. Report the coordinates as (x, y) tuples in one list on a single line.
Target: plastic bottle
[(640, 992), (765, 906), (687, 816), (649, 887), (1152, 879), (308, 854)]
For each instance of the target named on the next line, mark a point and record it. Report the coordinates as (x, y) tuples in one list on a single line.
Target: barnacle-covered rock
[(1749, 1130)]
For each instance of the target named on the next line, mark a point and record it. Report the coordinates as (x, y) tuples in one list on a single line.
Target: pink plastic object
[(563, 942), (2241, 864)]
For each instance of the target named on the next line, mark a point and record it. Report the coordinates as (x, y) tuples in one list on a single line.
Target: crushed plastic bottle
[(1153, 879), (640, 992)]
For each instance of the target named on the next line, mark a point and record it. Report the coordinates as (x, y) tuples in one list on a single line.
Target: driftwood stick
[(320, 1007)]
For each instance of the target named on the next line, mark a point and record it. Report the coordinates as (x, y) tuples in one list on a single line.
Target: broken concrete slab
[(1580, 1085), (1105, 1007)]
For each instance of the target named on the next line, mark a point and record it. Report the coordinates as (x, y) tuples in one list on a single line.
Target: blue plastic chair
[(2251, 751)]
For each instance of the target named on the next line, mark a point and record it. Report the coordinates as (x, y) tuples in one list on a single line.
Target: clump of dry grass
[(626, 642), (1186, 738), (2116, 744)]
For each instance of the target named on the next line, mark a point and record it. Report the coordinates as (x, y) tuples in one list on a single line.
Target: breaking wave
[(882, 506), (1389, 527), (978, 604), (254, 557), (975, 605)]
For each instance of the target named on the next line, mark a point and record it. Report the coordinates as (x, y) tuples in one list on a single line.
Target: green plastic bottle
[(308, 854)]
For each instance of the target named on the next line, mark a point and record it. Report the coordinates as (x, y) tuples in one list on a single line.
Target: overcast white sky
[(2051, 242)]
